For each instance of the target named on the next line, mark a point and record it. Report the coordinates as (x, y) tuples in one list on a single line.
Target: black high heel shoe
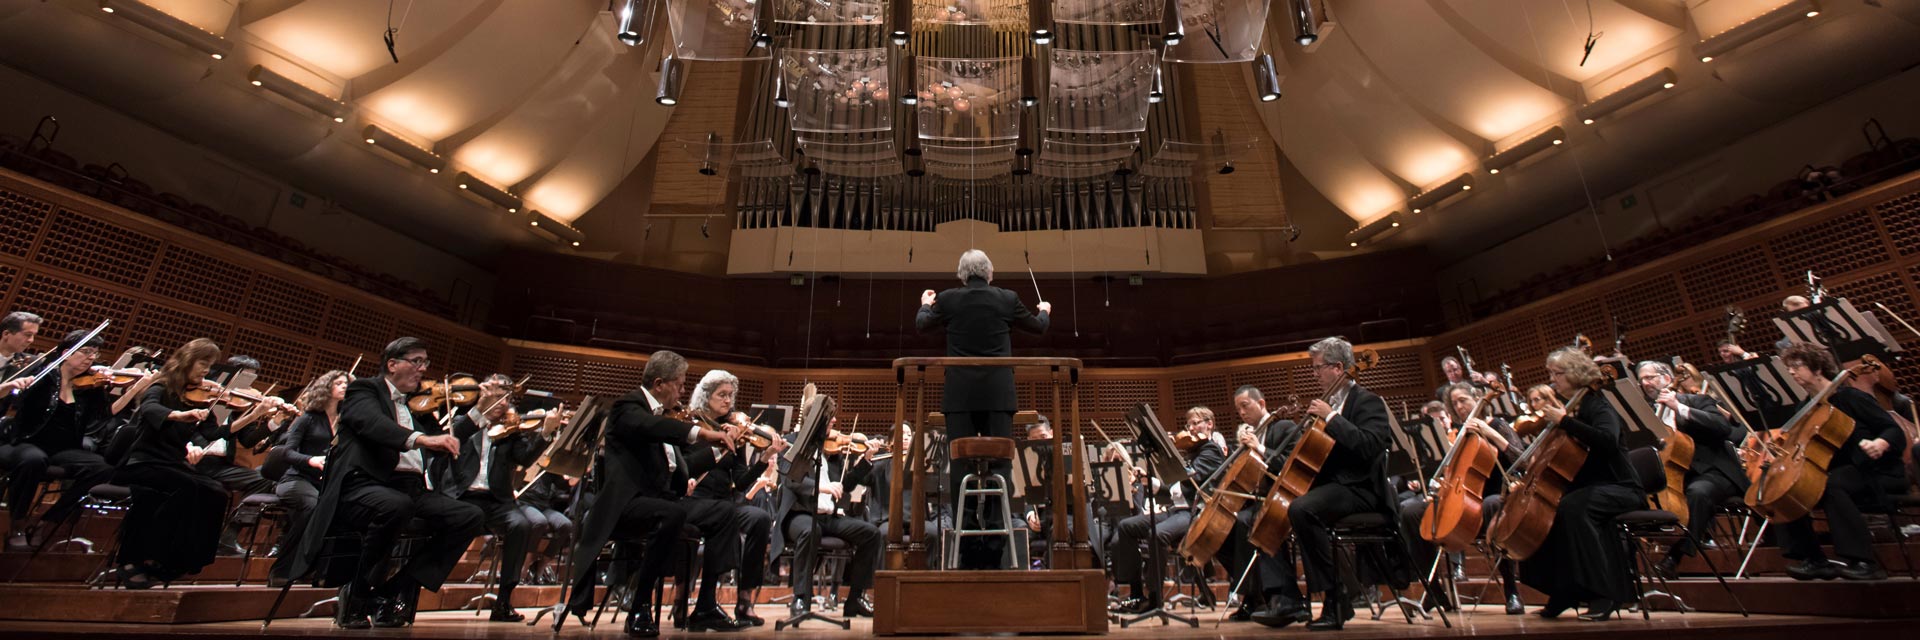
[(1555, 606), (1598, 610)]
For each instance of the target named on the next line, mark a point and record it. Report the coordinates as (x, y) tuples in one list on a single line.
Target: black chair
[(254, 510), (1639, 528), (1374, 531), (346, 546)]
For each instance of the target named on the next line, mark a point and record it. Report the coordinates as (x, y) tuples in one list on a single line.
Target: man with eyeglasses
[(376, 484), (50, 425)]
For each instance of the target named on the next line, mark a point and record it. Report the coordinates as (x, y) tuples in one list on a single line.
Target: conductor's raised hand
[(1046, 307), (926, 297)]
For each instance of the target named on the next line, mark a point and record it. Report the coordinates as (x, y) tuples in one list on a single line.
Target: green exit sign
[(1629, 202)]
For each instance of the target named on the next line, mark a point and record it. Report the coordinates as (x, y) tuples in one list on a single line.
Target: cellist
[(1863, 473), (1461, 399), (1716, 474), (1173, 514), (1580, 559)]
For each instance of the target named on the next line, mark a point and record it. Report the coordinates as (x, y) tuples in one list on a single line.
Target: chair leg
[(1723, 582), (1893, 523), (1752, 547)]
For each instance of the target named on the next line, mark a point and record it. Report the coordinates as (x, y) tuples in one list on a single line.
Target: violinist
[(1716, 473), (305, 445), (17, 331), (175, 520), (375, 485), (1461, 400), (1171, 517), (482, 476), (807, 512), (49, 429), (1862, 474), (1581, 559), (215, 443), (712, 509)]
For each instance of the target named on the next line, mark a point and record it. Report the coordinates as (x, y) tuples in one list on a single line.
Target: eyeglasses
[(420, 362), (1323, 365)]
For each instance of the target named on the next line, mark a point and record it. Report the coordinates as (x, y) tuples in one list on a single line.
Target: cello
[(1234, 483), (1546, 469), (1452, 519), (1271, 526), (1792, 482)]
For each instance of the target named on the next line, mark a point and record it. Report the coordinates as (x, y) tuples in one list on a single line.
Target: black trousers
[(1128, 561), (508, 521), (655, 522), (1848, 489), (756, 532), (980, 552), (720, 531), (859, 534), (555, 524), (242, 480), (175, 519), (1266, 575), (382, 510), (297, 496), (1313, 516), (28, 464), (1705, 491)]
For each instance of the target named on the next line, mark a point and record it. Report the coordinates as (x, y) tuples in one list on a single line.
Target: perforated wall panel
[(97, 249), (1889, 288), (191, 276), (1717, 281), (606, 380), (752, 391), (1647, 302), (1271, 380), (1116, 396), (869, 400), (1208, 390), (280, 303), (558, 375), (358, 326), (281, 360), (8, 276), (1561, 323), (482, 359), (161, 327), (1819, 247), (1397, 370), (1663, 346), (1901, 216), (67, 306), (22, 216)]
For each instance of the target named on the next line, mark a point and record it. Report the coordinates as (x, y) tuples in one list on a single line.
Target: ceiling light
[(266, 79), (1773, 20), (487, 192), (1460, 184), (1639, 90), (1030, 83), (554, 230), (780, 98), (636, 22), (384, 139), (576, 243), (902, 21), (1306, 29), (668, 93), (176, 29), (1040, 18), (1269, 80), (908, 97), (762, 24), (1172, 26), (1372, 230), (1159, 91)]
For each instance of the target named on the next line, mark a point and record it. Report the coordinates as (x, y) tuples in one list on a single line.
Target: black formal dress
[(1582, 559), (979, 401), (725, 488), (175, 519), (1854, 481), (308, 437), (50, 432)]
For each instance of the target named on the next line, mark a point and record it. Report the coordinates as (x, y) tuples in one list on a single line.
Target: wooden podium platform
[(978, 602)]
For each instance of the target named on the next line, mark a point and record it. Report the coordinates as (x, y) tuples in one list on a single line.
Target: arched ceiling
[(538, 97)]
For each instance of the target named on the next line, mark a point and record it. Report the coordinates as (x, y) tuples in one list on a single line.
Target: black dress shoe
[(714, 619), (1135, 606), (389, 613), (640, 622), (1597, 611), (1333, 615), (1863, 571), (349, 614), (505, 614), (800, 607), (744, 613), (1818, 569), (1668, 568), (1514, 606), (1242, 613), (1281, 612), (679, 617), (1436, 599), (857, 608), (1555, 606)]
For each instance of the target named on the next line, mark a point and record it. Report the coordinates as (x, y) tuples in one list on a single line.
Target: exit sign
[(1629, 202)]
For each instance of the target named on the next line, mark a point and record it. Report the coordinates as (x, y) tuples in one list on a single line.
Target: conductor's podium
[(1068, 597)]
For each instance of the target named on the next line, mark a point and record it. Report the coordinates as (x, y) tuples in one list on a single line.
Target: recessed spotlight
[(1667, 86), (1813, 13), (1706, 58), (1493, 171)]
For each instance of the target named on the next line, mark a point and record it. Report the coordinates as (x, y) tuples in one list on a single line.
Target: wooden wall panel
[(22, 216), (192, 276), (1900, 217), (358, 326), (159, 326), (67, 305), (98, 249)]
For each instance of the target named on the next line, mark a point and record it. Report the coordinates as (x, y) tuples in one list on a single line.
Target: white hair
[(974, 264), (1334, 350), (710, 383)]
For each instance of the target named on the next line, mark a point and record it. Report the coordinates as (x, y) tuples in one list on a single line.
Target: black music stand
[(1163, 462), (1836, 325), (810, 435), (1760, 390), (1639, 425)]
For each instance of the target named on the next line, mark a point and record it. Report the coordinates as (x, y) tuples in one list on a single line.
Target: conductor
[(979, 401)]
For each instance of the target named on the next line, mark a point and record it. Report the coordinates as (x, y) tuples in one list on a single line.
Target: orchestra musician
[(175, 520), (304, 444), (1581, 559), (17, 332), (1731, 352), (810, 508), (216, 442), (979, 401), (551, 495), (1716, 473), (1866, 470), (50, 424), (1280, 602), (713, 516), (1171, 517), (376, 484), (723, 492), (1461, 399), (1352, 481), (642, 479), (483, 475), (1455, 372)]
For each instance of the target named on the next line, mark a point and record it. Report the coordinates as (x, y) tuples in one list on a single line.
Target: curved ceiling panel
[(605, 155), (1397, 137), (1335, 166), (486, 72), (1551, 34), (578, 93), (1445, 71), (343, 37), (211, 15)]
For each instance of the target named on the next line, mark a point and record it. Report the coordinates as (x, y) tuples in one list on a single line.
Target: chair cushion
[(979, 448), (830, 543), (110, 492), (1647, 517), (1361, 521), (261, 500)]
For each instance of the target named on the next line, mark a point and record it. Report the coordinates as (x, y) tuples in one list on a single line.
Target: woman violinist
[(52, 420), (1461, 400), (1867, 468), (175, 520), (305, 445), (1581, 559)]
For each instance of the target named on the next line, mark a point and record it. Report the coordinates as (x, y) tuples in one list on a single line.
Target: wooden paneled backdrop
[(76, 261)]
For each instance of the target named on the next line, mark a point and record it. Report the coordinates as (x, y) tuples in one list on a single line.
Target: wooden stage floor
[(1488, 623)]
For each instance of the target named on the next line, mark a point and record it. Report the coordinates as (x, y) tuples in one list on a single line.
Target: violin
[(1186, 440), (460, 391), (839, 442), (101, 377), (210, 394)]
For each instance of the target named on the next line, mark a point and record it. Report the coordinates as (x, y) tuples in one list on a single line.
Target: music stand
[(778, 416), (1836, 325), (1163, 463), (801, 458), (1639, 425), (1417, 448), (1761, 390)]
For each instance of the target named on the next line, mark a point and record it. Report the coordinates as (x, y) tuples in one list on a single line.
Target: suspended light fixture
[(1639, 90), (762, 24), (669, 92), (1159, 91), (1040, 17), (327, 106), (1306, 26), (634, 24), (1434, 196), (707, 167), (176, 29), (487, 192), (1369, 231), (1513, 155), (1269, 79), (1774, 19), (902, 21), (1029, 81), (1172, 27), (554, 230), (384, 139), (910, 96), (780, 98)]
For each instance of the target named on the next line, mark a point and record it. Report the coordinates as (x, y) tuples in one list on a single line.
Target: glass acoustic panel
[(1219, 31), (1108, 11), (831, 11), (968, 98), (714, 29), (844, 91), (1100, 91)]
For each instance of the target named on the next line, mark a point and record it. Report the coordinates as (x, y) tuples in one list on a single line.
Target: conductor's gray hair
[(974, 264)]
